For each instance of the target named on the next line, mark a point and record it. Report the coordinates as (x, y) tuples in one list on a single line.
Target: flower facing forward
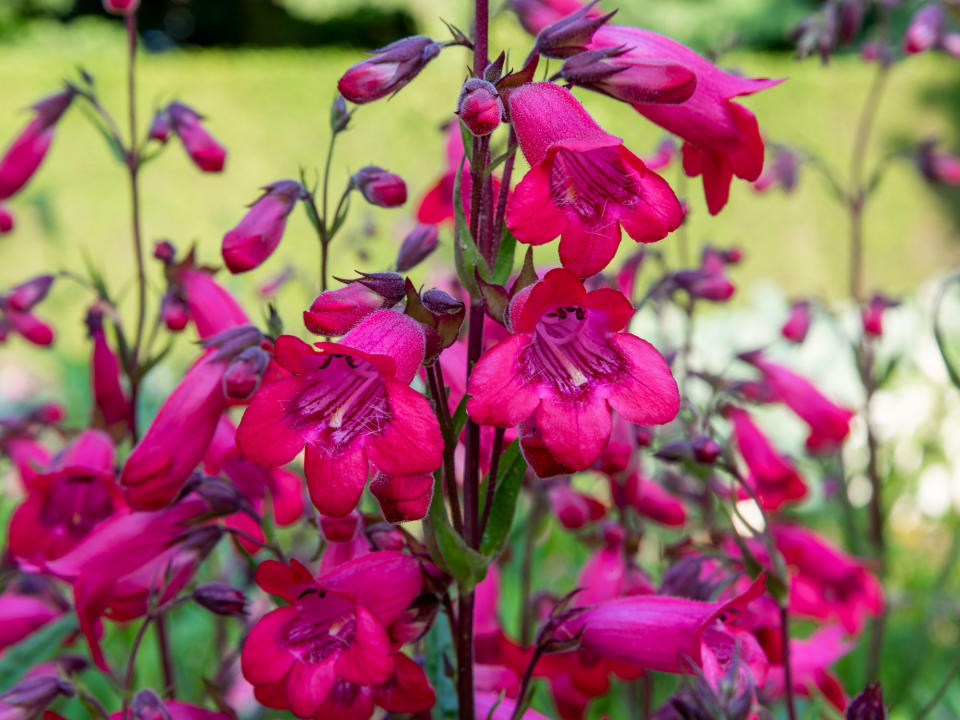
[(721, 137), (350, 404), (566, 367), (329, 648), (583, 184)]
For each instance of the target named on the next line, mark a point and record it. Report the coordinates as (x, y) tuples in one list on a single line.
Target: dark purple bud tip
[(569, 35), (221, 599), (417, 246), (868, 705)]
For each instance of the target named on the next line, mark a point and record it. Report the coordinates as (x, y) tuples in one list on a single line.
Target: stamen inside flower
[(322, 625), (588, 182), (76, 505), (567, 352)]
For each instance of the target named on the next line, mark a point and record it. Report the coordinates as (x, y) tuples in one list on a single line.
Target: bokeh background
[(264, 73)]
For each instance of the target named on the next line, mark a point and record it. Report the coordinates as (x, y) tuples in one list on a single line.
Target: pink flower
[(583, 184), (20, 615), (825, 582), (349, 403), (110, 403), (829, 423), (937, 166), (771, 476), (379, 187), (126, 560), (798, 322), (6, 220), (666, 634), (388, 69), (810, 662), (721, 137), (24, 155), (171, 449), (76, 492), (535, 15), (257, 235), (872, 314), (925, 30), (403, 498), (651, 500), (574, 509), (121, 7), (566, 367), (336, 312), (480, 107), (206, 153), (331, 639), (212, 308), (664, 155)]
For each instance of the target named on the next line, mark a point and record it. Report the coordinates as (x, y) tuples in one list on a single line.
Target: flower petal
[(500, 394), (647, 394), (336, 479)]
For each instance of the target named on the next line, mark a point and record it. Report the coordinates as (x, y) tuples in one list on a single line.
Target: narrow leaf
[(464, 563), (35, 648), (504, 263), (465, 253), (512, 469), (438, 657)]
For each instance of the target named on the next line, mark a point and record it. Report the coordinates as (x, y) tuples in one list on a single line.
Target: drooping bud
[(614, 72), (379, 187), (110, 402), (479, 107), (206, 153), (868, 705), (782, 171), (24, 155), (798, 323), (6, 220), (448, 314), (388, 69), (165, 252), (174, 312), (221, 599), (872, 314), (232, 342), (705, 449), (30, 696), (570, 35), (121, 7), (705, 285), (416, 620), (938, 167), (339, 115), (160, 127), (147, 705), (925, 29), (335, 312), (257, 235), (417, 246), (242, 377), (24, 296), (223, 497)]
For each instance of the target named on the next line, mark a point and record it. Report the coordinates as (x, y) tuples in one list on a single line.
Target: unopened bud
[(417, 246), (379, 187), (165, 251), (244, 373), (612, 72), (416, 619), (925, 29), (147, 705), (872, 314), (232, 342), (48, 414), (798, 323), (24, 296), (388, 69), (569, 35), (677, 451), (174, 312), (385, 536), (705, 449), (221, 599), (6, 220), (335, 312), (339, 115), (222, 496), (480, 107), (705, 285), (31, 695), (868, 705), (938, 167), (447, 312), (160, 127), (121, 7)]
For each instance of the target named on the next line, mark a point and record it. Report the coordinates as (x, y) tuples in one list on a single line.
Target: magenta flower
[(937, 166), (825, 582), (26, 152), (206, 153), (257, 235), (6, 220), (332, 638), (574, 509), (926, 29), (770, 475), (567, 366), (388, 69), (480, 107), (535, 15), (810, 663), (110, 403), (829, 423), (121, 7), (15, 311), (721, 137), (651, 500), (20, 615), (872, 315), (336, 312), (380, 187), (798, 322), (350, 404), (212, 308), (66, 501), (583, 184)]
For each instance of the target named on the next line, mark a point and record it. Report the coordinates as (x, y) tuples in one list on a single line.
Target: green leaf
[(467, 137), (938, 332), (500, 159), (464, 563), (460, 417), (509, 481), (112, 143), (465, 253), (35, 648), (504, 264), (438, 657)]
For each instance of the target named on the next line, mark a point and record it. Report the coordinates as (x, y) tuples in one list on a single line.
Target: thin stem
[(521, 704), (526, 566), (465, 603), (438, 393), (166, 658), (492, 477), (787, 670), (505, 184), (481, 28), (941, 691), (131, 663), (324, 227), (251, 539)]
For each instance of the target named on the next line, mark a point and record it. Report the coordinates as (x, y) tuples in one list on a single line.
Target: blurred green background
[(269, 107)]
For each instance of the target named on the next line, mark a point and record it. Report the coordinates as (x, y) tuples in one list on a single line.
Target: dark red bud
[(390, 286), (242, 376), (448, 314), (388, 69), (868, 705), (705, 449), (165, 251), (232, 342), (480, 107), (379, 187), (174, 312), (221, 599), (147, 705), (416, 620), (644, 436), (677, 451)]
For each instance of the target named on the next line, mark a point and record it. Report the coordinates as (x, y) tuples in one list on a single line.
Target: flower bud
[(850, 20), (24, 296), (160, 127), (339, 115), (384, 536), (868, 705), (121, 7), (644, 436), (798, 323), (221, 599), (664, 155), (206, 153), (782, 172), (48, 414), (335, 312), (938, 167), (232, 342), (6, 220), (569, 35), (925, 29), (479, 107), (257, 235), (417, 245), (147, 705), (612, 72), (223, 497), (403, 498), (872, 315), (165, 252), (242, 377), (379, 187), (705, 449), (705, 285), (30, 696), (447, 312), (388, 69), (572, 508), (174, 312)]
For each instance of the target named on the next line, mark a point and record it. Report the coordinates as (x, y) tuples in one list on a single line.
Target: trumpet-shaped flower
[(583, 184), (566, 366), (26, 152), (254, 239), (349, 403)]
